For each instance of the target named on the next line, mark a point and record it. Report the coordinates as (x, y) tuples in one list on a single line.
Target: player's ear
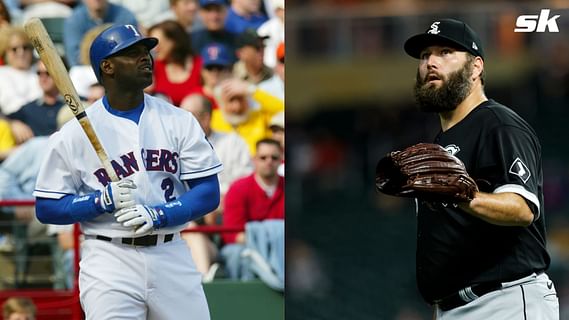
[(107, 67), (477, 67)]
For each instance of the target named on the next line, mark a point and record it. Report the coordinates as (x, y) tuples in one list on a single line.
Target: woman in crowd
[(18, 79), (176, 67)]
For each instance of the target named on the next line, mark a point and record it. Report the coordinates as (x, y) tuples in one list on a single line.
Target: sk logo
[(535, 23), (520, 169), (434, 28)]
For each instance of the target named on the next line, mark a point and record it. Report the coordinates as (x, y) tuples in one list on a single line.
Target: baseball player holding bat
[(481, 251), (134, 264)]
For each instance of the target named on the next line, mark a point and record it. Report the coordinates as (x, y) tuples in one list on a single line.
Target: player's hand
[(142, 218), (117, 195)]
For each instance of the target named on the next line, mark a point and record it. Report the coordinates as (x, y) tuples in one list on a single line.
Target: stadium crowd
[(221, 60)]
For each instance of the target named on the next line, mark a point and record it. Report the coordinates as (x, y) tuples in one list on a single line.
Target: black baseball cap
[(454, 33), (250, 37)]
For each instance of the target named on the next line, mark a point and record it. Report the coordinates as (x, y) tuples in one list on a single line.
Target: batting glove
[(116, 195), (142, 218)]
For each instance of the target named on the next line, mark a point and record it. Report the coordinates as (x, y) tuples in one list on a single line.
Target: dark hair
[(4, 13), (175, 32), (205, 103), (268, 141)]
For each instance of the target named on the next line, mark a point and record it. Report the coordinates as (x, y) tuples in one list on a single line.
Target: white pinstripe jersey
[(166, 147)]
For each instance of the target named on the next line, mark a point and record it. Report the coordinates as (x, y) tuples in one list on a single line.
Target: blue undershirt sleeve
[(202, 198), (69, 209)]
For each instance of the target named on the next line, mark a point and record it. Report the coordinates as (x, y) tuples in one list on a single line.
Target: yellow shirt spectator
[(237, 114)]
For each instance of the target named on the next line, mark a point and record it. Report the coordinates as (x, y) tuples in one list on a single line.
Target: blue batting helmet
[(113, 40)]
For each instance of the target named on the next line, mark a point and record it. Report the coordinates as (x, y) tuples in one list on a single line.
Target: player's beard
[(454, 89)]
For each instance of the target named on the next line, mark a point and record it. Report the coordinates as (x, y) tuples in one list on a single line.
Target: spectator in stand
[(184, 12), (19, 308), (87, 15), (39, 116), (250, 52), (176, 67), (146, 12), (244, 109), (213, 14), (277, 126), (232, 151), (257, 197), (244, 14), (45, 8), (18, 79), (82, 75), (275, 84), (275, 30), (217, 66)]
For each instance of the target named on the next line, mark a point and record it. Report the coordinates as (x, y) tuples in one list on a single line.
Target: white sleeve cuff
[(49, 194), (517, 189), (201, 173)]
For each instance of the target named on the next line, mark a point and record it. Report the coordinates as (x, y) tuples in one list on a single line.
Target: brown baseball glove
[(425, 171)]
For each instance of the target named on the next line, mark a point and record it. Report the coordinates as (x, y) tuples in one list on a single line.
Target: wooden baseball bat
[(50, 57)]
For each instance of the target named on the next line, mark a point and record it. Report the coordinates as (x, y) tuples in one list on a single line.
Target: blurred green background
[(350, 251)]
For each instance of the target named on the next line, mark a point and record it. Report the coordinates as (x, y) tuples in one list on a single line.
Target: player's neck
[(451, 118), (124, 101)]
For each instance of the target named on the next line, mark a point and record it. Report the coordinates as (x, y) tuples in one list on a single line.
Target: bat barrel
[(41, 40)]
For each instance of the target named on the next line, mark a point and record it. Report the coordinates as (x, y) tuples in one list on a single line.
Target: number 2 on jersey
[(168, 187)]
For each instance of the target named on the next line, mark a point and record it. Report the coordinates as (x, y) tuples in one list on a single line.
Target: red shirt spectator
[(177, 91), (176, 67), (259, 196)]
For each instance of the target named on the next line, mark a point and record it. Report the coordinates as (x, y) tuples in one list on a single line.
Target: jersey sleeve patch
[(520, 169)]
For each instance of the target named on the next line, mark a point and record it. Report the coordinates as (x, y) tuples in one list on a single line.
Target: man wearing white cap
[(275, 30)]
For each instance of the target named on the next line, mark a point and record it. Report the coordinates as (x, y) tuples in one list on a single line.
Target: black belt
[(467, 295), (145, 241)]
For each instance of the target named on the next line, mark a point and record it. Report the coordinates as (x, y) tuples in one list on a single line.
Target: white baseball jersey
[(166, 147)]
